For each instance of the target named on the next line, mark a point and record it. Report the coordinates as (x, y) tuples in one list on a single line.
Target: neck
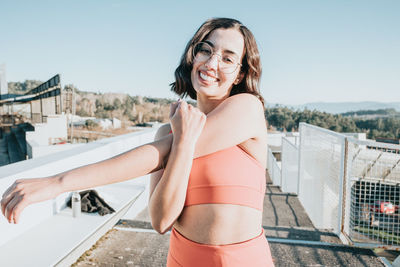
[(206, 105)]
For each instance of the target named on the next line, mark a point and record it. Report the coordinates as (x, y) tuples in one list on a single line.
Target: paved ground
[(134, 243)]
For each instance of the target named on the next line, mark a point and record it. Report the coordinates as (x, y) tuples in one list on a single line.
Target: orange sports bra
[(228, 176)]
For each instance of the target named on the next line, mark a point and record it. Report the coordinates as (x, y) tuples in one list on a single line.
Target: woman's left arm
[(168, 197), (237, 119)]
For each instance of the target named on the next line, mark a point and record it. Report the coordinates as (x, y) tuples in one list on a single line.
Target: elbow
[(162, 218), (159, 222), (161, 227)]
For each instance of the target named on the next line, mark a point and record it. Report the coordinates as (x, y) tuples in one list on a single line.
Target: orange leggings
[(184, 252)]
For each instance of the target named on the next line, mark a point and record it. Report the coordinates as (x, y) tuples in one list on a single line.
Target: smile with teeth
[(207, 78)]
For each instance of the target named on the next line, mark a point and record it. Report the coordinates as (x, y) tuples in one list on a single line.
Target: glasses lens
[(228, 68), (203, 52)]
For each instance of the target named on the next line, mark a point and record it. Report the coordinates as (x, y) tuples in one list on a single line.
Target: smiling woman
[(221, 69), (244, 49), (214, 73), (207, 164)]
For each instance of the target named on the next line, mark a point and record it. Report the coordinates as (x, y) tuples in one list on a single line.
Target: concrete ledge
[(61, 239), (48, 165)]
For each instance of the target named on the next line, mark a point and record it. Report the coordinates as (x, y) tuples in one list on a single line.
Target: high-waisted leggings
[(184, 252)]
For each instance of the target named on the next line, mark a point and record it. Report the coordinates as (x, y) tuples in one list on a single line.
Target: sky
[(311, 51)]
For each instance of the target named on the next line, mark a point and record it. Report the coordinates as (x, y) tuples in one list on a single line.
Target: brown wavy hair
[(251, 64)]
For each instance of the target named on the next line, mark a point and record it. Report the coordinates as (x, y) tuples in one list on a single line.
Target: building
[(3, 81)]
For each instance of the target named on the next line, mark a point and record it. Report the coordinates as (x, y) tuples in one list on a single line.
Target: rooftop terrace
[(50, 236)]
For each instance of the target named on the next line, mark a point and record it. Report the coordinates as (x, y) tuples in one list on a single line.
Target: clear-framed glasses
[(228, 62)]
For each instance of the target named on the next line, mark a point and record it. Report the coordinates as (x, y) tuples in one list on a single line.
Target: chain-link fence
[(373, 177)]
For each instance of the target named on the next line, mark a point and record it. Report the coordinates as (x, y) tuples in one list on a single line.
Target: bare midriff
[(219, 224)]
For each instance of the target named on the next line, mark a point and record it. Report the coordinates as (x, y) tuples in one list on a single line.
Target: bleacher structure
[(42, 101)]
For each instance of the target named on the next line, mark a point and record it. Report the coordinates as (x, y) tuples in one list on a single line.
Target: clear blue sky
[(318, 50)]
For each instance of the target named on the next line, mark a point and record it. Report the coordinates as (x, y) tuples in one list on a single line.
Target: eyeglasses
[(227, 62)]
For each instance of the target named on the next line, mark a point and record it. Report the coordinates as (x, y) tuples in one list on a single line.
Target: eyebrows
[(225, 51)]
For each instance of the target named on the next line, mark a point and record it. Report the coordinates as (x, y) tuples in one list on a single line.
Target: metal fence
[(373, 177), (320, 175), (274, 168), (290, 160), (350, 186)]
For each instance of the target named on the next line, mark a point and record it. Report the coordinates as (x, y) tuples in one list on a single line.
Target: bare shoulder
[(251, 108), (254, 111), (245, 100), (163, 131), (237, 119)]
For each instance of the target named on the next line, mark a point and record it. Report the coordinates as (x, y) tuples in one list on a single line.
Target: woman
[(207, 165)]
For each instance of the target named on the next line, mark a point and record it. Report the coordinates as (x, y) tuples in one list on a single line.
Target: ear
[(239, 78)]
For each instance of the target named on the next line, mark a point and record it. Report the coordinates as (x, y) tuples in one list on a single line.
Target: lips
[(207, 77)]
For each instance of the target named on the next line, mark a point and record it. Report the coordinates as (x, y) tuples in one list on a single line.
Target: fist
[(187, 122)]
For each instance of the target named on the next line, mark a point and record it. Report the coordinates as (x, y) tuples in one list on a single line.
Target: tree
[(117, 103)]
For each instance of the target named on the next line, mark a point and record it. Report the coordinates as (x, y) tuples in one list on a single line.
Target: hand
[(24, 192), (187, 122)]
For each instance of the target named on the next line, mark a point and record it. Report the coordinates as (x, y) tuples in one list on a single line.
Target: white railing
[(290, 165), (274, 168), (320, 175)]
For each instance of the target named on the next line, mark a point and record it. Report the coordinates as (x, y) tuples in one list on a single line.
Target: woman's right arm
[(228, 117), (134, 163)]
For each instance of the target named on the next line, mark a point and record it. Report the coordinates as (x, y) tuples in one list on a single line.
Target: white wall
[(38, 142), (46, 133), (275, 139), (116, 123), (60, 162), (35, 151)]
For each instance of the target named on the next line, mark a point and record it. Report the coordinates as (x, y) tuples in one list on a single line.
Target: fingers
[(173, 107), (9, 210), (17, 208), (7, 197), (5, 208), (186, 110), (9, 189), (13, 206), (3, 203), (172, 110), (10, 199), (181, 106)]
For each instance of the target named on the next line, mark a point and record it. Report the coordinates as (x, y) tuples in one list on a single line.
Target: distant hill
[(343, 107)]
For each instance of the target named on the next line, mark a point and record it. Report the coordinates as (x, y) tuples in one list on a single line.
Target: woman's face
[(208, 79)]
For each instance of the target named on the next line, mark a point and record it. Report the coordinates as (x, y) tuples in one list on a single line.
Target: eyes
[(228, 61), (204, 51)]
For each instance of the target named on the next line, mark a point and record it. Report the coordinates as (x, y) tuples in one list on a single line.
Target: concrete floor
[(134, 243)]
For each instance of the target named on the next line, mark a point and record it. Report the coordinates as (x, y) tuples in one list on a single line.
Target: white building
[(3, 80)]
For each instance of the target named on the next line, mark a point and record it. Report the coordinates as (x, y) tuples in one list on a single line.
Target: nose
[(212, 62)]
